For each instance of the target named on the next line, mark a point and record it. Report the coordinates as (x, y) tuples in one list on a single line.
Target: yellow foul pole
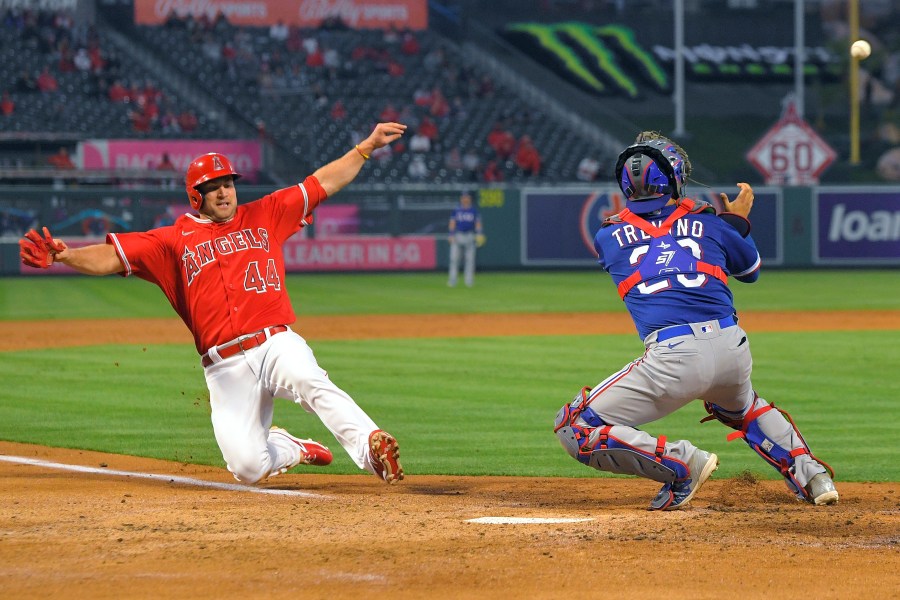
[(853, 22)]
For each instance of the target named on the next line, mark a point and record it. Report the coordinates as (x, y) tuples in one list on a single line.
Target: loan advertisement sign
[(559, 225), (859, 226), (358, 14)]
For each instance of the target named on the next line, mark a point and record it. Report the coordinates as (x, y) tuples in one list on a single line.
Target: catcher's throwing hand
[(40, 252), (742, 204)]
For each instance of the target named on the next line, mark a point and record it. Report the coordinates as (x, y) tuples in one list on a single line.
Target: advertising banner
[(860, 226), (301, 254), (360, 254), (358, 14), (559, 225), (245, 155)]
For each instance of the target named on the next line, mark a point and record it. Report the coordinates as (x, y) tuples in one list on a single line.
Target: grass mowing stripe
[(24, 298), (459, 406)]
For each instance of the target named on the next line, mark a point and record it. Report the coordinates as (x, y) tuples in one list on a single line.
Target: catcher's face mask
[(650, 173)]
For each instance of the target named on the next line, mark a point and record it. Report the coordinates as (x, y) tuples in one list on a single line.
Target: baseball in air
[(860, 49)]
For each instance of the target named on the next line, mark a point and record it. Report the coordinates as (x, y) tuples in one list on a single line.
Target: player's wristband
[(361, 153)]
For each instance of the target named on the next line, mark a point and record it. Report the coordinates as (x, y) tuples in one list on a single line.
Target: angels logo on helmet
[(204, 168)]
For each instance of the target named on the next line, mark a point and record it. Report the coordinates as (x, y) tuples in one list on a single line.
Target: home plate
[(525, 520)]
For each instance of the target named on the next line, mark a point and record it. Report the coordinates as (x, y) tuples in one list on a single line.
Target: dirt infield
[(95, 534)]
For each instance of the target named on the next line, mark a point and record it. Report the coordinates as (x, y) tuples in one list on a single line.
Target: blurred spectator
[(332, 59), (383, 154), (453, 159), (187, 121), (165, 163), (394, 68), (118, 92), (338, 110), (211, 48), (410, 45), (279, 31), (527, 157), (310, 44), (390, 35), (502, 141), (294, 41), (82, 61), (46, 82), (168, 122), (140, 121), (588, 169), (492, 172), (417, 169), (67, 58), (315, 58), (419, 142), (471, 164), (61, 160), (389, 114), (7, 106), (429, 129), (422, 97), (889, 165), (439, 108)]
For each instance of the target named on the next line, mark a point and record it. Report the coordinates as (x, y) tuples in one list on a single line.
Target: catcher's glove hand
[(480, 239), (39, 252)]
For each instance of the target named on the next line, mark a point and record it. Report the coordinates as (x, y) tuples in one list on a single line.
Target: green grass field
[(462, 405)]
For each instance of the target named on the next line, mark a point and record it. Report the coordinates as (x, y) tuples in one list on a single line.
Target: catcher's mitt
[(39, 252), (480, 239)]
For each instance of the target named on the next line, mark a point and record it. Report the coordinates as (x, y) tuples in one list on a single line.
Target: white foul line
[(231, 487), (525, 520)]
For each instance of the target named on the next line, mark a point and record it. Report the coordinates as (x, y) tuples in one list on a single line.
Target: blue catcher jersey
[(465, 219), (671, 289)]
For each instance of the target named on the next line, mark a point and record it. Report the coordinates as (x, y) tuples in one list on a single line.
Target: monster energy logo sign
[(607, 60)]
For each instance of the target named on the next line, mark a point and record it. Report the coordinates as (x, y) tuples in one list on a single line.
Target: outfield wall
[(391, 229)]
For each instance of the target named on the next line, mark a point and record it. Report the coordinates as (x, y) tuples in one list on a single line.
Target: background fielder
[(465, 236), (222, 270), (670, 258)]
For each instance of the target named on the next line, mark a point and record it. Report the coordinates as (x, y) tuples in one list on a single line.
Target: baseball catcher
[(670, 258)]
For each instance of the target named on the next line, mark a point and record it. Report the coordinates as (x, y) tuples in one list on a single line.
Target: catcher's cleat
[(384, 453), (311, 451), (820, 490), (677, 494)]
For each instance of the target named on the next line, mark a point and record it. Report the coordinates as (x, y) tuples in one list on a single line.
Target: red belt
[(229, 349)]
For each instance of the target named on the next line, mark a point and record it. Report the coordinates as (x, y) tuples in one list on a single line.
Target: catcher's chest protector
[(666, 256)]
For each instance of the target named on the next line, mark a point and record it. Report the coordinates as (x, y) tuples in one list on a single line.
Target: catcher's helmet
[(203, 168), (651, 172)]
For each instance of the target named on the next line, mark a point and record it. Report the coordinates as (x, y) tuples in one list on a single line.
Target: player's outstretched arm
[(338, 173), (42, 251)]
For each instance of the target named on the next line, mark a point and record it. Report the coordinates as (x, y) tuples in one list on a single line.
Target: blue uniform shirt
[(687, 299), (465, 219)]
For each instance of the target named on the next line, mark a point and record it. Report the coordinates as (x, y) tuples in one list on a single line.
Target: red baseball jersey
[(224, 279)]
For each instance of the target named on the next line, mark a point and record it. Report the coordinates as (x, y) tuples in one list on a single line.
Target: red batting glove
[(38, 252)]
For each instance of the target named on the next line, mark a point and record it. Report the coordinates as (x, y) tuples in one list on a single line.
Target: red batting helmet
[(202, 169)]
